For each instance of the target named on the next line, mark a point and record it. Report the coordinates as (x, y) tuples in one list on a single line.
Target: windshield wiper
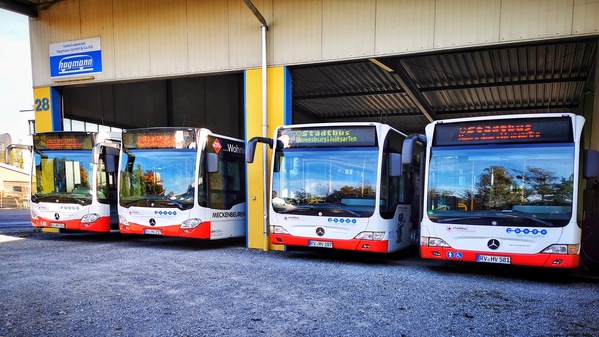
[(346, 210), (520, 214), (502, 213), (323, 206), (75, 198), (174, 201), (130, 202), (40, 198), (153, 197), (59, 196), (459, 218), (296, 209)]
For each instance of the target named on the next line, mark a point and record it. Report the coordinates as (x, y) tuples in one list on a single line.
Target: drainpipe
[(265, 207)]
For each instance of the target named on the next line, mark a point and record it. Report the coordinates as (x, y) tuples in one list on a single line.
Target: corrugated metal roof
[(482, 82)]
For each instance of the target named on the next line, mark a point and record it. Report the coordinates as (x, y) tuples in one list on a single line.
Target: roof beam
[(571, 107), (351, 94), (398, 71), (21, 7), (504, 84)]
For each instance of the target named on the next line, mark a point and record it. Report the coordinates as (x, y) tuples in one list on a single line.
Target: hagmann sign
[(75, 58)]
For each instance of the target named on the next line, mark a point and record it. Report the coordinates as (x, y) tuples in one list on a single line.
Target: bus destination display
[(67, 141), (158, 139), (539, 130), (330, 136)]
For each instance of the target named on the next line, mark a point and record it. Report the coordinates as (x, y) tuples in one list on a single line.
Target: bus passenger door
[(107, 182)]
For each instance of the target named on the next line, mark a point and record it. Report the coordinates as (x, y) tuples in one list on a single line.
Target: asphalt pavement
[(88, 284)]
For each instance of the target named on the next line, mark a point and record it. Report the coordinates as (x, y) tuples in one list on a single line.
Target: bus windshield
[(158, 178), (62, 177), (509, 185), (325, 181)]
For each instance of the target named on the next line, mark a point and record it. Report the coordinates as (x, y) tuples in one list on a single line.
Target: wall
[(168, 38)]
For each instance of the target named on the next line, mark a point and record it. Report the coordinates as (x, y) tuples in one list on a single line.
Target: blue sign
[(75, 58)]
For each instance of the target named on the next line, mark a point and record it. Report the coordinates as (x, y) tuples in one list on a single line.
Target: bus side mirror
[(110, 163), (395, 164), (591, 164), (408, 147), (111, 159), (105, 147), (250, 147), (211, 162), (10, 147), (276, 165)]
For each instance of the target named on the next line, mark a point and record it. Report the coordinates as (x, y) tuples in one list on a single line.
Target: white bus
[(341, 186), (505, 189), (183, 182), (73, 181)]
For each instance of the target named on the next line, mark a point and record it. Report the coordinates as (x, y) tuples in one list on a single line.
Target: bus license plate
[(153, 231), (57, 225), (320, 244), (493, 259)]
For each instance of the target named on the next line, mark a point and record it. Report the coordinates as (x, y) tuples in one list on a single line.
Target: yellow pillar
[(278, 96), (47, 110)]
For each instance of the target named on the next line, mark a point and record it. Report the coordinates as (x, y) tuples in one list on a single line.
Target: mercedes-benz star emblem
[(320, 231), (152, 222), (56, 216), (493, 244)]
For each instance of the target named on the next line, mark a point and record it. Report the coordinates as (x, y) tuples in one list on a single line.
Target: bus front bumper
[(566, 261)]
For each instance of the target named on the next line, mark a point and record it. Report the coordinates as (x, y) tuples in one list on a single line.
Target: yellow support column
[(278, 96), (47, 110)]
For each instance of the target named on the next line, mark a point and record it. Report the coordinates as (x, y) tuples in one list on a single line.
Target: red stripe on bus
[(200, 232), (531, 260), (352, 244), (100, 225)]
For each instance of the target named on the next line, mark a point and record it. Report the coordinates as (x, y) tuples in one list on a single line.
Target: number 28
[(42, 104)]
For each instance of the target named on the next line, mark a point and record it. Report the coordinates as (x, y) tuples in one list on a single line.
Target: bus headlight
[(34, 215), (191, 223), (92, 217), (123, 221), (372, 236), (278, 230), (561, 249), (432, 242)]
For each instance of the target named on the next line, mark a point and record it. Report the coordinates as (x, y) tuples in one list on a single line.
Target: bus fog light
[(433, 242), (92, 217), (123, 221), (373, 236), (573, 249), (562, 249), (191, 223), (278, 230)]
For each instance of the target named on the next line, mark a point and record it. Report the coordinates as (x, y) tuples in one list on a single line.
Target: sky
[(16, 87)]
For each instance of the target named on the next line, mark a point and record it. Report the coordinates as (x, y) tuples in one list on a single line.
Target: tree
[(495, 189), (152, 183), (541, 182)]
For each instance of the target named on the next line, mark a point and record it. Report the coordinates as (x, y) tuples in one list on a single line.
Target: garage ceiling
[(408, 92), (27, 7)]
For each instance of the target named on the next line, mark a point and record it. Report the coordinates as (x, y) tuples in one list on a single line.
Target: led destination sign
[(63, 141), (158, 139), (525, 130), (330, 136)]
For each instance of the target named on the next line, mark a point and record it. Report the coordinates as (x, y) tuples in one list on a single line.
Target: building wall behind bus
[(144, 39)]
